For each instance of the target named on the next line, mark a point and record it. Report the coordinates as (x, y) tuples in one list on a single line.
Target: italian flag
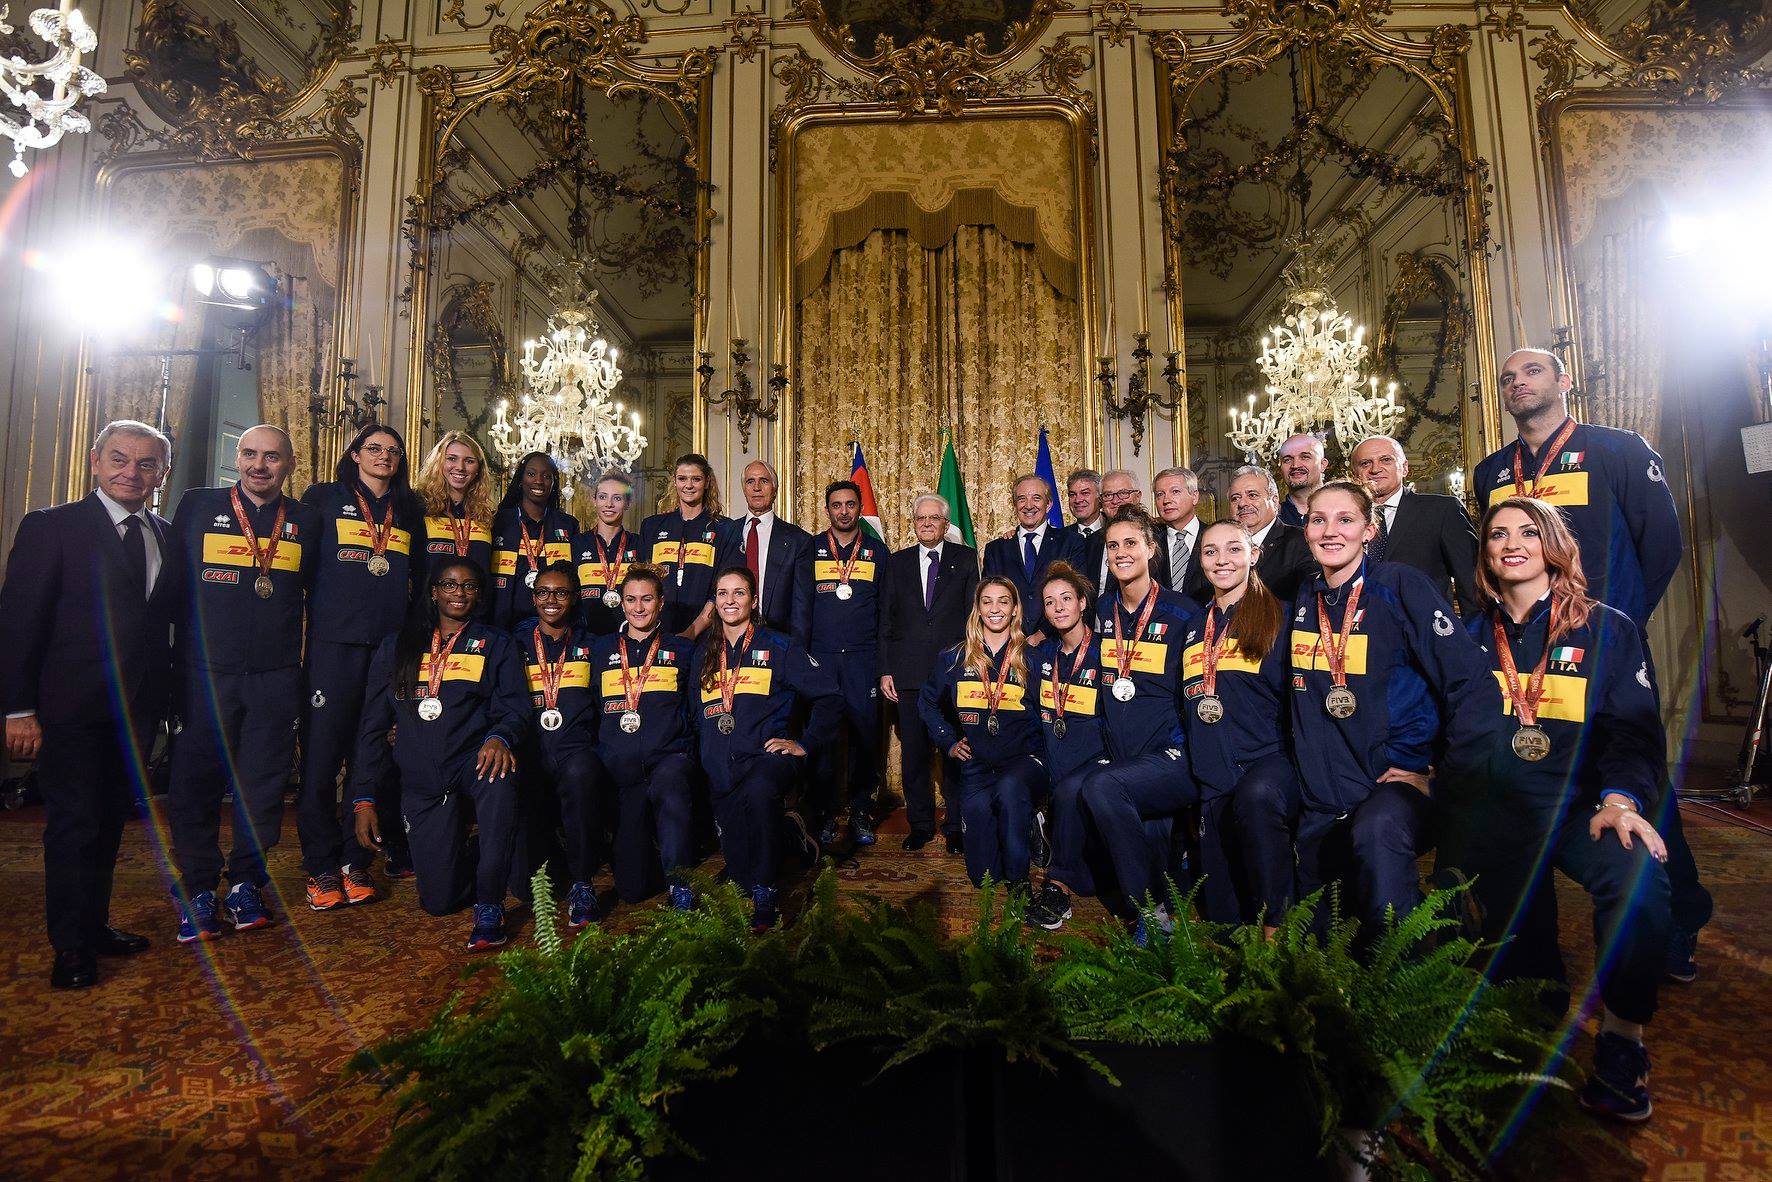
[(870, 510), (1566, 655), (952, 489)]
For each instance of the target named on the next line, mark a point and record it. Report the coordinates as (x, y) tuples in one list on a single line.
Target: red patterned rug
[(227, 1063)]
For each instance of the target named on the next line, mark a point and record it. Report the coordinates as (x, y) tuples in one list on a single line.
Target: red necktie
[(750, 548)]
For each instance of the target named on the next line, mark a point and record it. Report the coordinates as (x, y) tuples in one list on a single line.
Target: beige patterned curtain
[(1620, 330), (902, 341)]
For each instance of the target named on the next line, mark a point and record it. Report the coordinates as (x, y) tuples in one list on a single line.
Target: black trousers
[(654, 827), (997, 807), (238, 734), (91, 777), (1371, 850), (335, 686), (914, 752), (450, 873), (1257, 827), (748, 811), (1122, 798), (564, 790), (1631, 899), (855, 763)]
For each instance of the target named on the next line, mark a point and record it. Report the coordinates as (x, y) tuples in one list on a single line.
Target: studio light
[(233, 283), (106, 286)]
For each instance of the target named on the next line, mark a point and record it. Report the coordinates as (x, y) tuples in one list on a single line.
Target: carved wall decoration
[(457, 15), (235, 126), (983, 36)]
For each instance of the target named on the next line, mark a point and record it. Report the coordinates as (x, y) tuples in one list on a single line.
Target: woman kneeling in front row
[(452, 692), (1584, 763)]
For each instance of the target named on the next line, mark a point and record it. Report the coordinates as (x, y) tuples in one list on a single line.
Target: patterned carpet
[(227, 1063)]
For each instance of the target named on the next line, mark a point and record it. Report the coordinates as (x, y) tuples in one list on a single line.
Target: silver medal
[(1210, 709), (529, 579), (379, 565), (611, 599), (630, 721), (261, 586), (430, 709), (1531, 743), (1058, 727), (990, 724), (552, 719), (1340, 702), (727, 724), (1124, 689), (845, 591)]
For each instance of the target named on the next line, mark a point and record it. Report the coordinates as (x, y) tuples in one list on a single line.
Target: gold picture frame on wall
[(1077, 122)]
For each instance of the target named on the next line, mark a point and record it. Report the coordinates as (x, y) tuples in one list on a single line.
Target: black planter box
[(1222, 1111)]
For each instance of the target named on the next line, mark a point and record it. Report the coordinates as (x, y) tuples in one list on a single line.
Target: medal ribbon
[(265, 557), (1128, 647), (1545, 459), (632, 687), (533, 549), (1060, 698), (552, 672), (1336, 649), (847, 566), (1525, 704), (379, 531), (1213, 651), (729, 682), (994, 687), (611, 566), (441, 647), (462, 527)]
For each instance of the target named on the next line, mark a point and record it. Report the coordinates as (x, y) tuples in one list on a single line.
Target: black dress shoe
[(75, 969), (956, 843), (917, 839), (112, 942)]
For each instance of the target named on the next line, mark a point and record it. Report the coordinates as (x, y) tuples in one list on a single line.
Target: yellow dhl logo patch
[(751, 680), (232, 550), (693, 553), (824, 570), (1307, 652), (504, 562), (456, 667), (438, 530), (658, 680), (577, 675), (1078, 699), (352, 532), (970, 695), (590, 574), (1565, 697), (1561, 488), (1148, 656), (1232, 660)]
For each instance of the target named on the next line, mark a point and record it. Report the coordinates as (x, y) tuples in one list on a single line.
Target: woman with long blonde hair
[(457, 496), (981, 706), (1586, 763), (681, 540)]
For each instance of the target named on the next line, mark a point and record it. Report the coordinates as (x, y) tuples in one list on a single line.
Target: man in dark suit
[(923, 610), (1428, 531), (1285, 561), (1118, 489), (1023, 557), (1177, 564), (778, 553), (85, 620)]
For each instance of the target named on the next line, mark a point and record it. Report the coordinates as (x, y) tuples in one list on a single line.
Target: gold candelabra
[(1135, 406), (747, 404)]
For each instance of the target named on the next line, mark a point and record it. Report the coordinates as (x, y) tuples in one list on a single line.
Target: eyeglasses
[(1117, 495), (552, 593), (451, 586), (382, 449)]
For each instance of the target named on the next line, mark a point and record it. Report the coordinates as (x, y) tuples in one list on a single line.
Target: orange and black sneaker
[(325, 892), (359, 886)]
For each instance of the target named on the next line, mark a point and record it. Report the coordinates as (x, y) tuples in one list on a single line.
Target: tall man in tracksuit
[(248, 553), (1612, 490), (846, 565)]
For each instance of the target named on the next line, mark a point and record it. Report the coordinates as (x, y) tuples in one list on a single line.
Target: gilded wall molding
[(236, 126), (885, 59)]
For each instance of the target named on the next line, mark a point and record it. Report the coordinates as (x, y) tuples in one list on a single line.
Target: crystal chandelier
[(46, 118), (1314, 361), (568, 411)]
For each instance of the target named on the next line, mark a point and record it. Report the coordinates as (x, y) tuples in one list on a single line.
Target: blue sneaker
[(1682, 957), (489, 927), (861, 827), (197, 919), (1152, 925), (581, 906), (245, 908), (682, 899), (1619, 1085), (764, 912)]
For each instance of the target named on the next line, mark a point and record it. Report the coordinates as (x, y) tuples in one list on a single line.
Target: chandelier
[(45, 119), (1314, 361), (568, 410)]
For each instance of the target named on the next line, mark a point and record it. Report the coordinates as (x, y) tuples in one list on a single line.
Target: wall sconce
[(747, 405), (1139, 399), (351, 413)]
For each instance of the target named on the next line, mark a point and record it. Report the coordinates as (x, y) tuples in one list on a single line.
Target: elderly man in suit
[(1285, 560), (923, 609), (1428, 531), (778, 552), (85, 623), (1177, 564), (1024, 555)]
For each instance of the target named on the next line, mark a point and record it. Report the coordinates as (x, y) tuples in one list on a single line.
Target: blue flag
[(1043, 469)]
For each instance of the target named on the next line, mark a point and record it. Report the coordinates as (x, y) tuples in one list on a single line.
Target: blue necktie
[(1029, 558)]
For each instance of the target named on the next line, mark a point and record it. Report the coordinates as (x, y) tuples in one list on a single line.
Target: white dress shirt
[(765, 526), (1260, 536), (1388, 509), (1189, 534), (118, 515)]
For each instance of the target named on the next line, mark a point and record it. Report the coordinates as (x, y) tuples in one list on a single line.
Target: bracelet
[(1626, 805), (362, 806)]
